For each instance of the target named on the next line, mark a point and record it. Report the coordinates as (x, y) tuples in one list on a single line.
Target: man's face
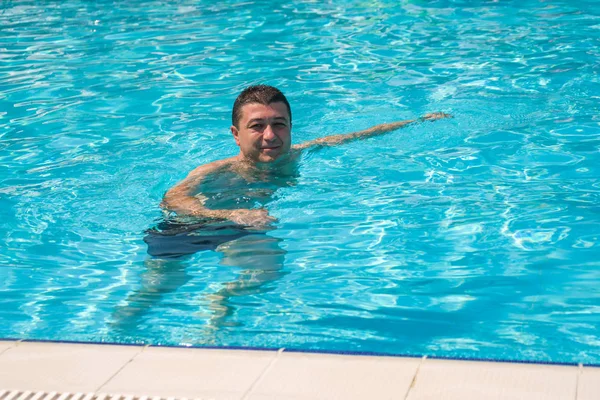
[(264, 132)]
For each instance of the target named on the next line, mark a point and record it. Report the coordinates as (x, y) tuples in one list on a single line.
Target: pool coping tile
[(62, 367), (588, 386), (189, 372), (465, 380), (6, 344), (326, 376)]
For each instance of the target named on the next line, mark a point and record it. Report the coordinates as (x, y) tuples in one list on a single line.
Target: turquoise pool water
[(470, 237)]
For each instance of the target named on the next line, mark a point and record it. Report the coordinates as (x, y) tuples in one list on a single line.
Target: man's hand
[(435, 115), (257, 218)]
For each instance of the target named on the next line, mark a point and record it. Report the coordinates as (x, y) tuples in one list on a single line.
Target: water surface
[(470, 237)]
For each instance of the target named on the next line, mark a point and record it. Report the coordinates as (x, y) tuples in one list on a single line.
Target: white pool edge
[(128, 370)]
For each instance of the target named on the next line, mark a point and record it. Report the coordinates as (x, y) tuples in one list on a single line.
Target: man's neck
[(252, 170), (247, 163)]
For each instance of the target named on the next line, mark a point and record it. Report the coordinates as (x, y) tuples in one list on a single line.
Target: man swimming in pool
[(226, 200), (261, 127)]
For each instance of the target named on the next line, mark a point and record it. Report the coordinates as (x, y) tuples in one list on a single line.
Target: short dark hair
[(262, 94)]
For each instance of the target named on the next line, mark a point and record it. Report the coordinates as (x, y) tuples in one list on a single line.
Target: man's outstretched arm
[(181, 199), (374, 131)]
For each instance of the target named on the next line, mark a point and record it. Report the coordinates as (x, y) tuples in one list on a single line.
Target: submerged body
[(227, 189)]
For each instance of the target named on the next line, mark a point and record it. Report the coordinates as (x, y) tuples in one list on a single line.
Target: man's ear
[(236, 134)]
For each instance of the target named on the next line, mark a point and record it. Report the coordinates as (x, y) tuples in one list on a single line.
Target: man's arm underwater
[(181, 199), (335, 140)]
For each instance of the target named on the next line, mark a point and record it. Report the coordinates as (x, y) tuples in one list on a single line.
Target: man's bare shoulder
[(213, 166), (197, 175)]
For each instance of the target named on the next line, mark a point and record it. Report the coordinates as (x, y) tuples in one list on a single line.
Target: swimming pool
[(471, 237)]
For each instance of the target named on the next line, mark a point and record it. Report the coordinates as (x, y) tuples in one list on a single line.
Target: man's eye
[(279, 124), (256, 127)]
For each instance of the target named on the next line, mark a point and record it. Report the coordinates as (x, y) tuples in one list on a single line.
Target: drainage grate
[(28, 395)]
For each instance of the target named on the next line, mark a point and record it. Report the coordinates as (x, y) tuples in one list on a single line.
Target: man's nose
[(268, 133)]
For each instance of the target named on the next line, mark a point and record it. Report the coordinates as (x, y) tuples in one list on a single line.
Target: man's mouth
[(270, 147)]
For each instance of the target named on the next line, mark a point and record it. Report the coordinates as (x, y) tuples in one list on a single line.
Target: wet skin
[(264, 132)]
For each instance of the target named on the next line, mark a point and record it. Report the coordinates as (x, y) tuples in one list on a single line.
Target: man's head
[(262, 123)]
